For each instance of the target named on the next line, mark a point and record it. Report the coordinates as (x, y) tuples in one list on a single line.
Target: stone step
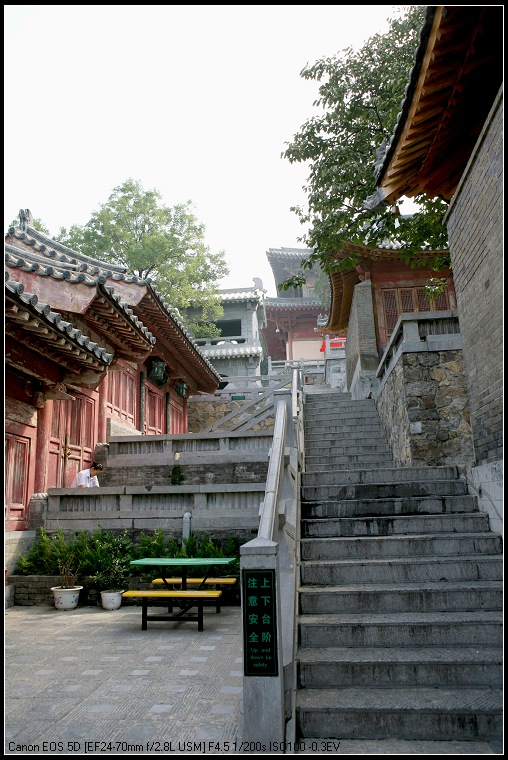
[(335, 402), (347, 459), (315, 421), (405, 713), (366, 430), (345, 448), (429, 505), (398, 630), (329, 746), (402, 571), (329, 424), (399, 546), (394, 525), (383, 475), (325, 667), (416, 597), (400, 490)]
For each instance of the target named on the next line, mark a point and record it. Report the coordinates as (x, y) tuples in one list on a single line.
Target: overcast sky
[(197, 102)]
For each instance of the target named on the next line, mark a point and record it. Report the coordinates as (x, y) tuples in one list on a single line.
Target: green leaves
[(360, 95), (105, 555), (164, 244)]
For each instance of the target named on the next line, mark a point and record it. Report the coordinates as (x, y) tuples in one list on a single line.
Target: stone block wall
[(31, 590), (18, 542), (423, 407), (203, 414), (192, 474)]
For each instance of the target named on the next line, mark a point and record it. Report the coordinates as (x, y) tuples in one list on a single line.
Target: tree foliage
[(360, 94), (165, 244)]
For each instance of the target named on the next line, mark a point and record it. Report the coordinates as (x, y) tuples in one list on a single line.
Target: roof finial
[(26, 219)]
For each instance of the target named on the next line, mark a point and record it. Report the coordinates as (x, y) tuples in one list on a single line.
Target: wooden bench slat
[(197, 581)]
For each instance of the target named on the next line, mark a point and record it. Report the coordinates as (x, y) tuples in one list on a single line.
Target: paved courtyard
[(90, 681)]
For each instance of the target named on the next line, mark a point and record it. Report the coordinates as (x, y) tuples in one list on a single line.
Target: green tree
[(166, 244), (360, 94)]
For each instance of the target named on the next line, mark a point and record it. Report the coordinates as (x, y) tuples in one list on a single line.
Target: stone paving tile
[(90, 681)]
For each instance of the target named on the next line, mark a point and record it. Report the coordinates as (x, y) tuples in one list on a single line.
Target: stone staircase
[(400, 599)]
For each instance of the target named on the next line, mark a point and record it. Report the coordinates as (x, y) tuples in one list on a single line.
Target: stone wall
[(423, 407), (191, 474), (30, 590), (204, 413), (18, 542)]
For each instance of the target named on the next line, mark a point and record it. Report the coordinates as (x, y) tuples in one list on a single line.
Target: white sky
[(194, 101)]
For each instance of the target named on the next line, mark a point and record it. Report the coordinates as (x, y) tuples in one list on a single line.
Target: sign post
[(259, 623)]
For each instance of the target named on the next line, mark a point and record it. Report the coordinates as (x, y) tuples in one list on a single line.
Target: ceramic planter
[(66, 598), (111, 600)]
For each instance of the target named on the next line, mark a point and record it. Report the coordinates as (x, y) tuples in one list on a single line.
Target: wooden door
[(17, 466), (72, 440), (154, 411)]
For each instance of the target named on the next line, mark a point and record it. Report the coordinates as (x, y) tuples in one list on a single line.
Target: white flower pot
[(111, 600), (66, 598)]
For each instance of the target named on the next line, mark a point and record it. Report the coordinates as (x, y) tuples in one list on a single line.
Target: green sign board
[(259, 623)]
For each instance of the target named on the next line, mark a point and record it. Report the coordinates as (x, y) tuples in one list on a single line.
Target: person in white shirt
[(87, 478)]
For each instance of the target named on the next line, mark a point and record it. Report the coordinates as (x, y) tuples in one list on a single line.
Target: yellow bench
[(197, 582), (185, 599)]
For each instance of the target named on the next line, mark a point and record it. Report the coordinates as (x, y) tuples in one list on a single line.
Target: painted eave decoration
[(134, 328), (36, 326), (453, 84)]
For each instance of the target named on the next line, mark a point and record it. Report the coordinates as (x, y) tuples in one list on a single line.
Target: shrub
[(104, 553)]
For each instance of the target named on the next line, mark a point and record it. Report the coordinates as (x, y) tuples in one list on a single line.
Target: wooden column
[(168, 413), (102, 417), (44, 419), (142, 402)]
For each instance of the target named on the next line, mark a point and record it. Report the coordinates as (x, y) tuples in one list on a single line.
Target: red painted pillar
[(102, 415), (44, 418)]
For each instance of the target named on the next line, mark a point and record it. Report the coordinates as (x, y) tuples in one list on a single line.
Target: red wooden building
[(396, 289), (90, 351)]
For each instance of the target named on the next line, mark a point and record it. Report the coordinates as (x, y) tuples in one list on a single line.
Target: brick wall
[(475, 231)]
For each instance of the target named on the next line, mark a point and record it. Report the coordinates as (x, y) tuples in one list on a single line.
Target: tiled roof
[(452, 86), (242, 295), (50, 258), (60, 336), (293, 303), (225, 353), (288, 254), (54, 251), (68, 271)]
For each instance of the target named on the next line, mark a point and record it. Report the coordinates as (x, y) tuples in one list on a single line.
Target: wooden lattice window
[(397, 301)]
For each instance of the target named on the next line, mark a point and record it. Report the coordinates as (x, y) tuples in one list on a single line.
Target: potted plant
[(111, 582), (66, 595)]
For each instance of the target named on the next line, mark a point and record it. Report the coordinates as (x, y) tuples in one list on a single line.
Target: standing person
[(87, 478)]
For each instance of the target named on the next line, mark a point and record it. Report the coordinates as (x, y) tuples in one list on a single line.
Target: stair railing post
[(263, 719)]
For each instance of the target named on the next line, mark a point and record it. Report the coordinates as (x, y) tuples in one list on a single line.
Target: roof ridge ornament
[(26, 219)]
